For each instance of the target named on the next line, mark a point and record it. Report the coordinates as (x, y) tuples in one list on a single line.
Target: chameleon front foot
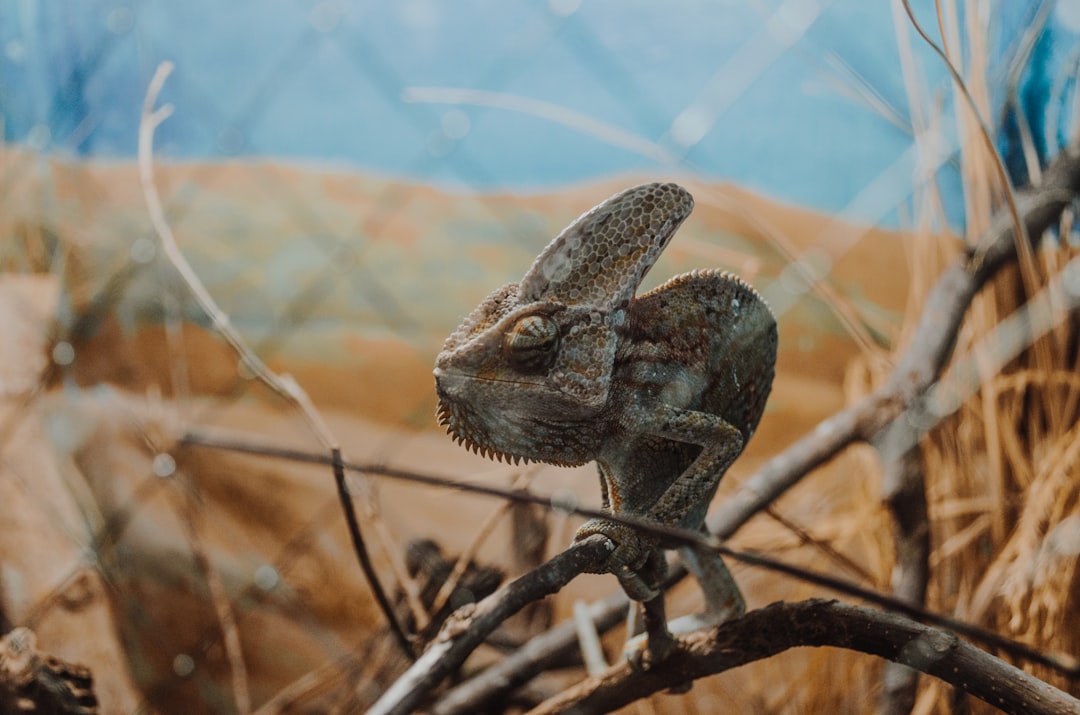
[(636, 560), (639, 564)]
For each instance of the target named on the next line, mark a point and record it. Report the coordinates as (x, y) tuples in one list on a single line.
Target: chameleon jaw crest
[(446, 420)]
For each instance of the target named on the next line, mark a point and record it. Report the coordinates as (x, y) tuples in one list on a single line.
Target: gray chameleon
[(661, 390)]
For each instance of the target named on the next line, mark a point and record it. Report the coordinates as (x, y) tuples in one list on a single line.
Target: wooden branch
[(468, 627), (542, 652), (921, 362), (35, 682), (764, 633), (904, 494)]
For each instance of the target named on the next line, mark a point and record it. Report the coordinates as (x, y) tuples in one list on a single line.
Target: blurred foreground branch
[(468, 627), (283, 384)]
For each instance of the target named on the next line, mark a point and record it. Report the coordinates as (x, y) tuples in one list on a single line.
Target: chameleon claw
[(634, 585)]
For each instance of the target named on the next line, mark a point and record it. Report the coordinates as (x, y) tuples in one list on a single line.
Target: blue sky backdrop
[(493, 95)]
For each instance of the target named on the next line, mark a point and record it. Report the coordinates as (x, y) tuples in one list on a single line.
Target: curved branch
[(468, 627), (544, 651), (780, 626)]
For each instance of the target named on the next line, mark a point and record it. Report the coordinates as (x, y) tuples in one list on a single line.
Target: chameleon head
[(521, 387), (529, 370)]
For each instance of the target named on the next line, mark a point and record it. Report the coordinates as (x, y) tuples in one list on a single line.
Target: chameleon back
[(704, 341), (713, 322)]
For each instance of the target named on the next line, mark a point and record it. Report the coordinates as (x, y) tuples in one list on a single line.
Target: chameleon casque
[(662, 390)]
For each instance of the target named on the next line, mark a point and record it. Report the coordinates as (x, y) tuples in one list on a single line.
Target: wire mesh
[(345, 202)]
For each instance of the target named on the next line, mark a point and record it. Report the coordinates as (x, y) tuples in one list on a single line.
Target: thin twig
[(1017, 66), (466, 556), (1022, 239), (284, 385), (469, 626), (824, 546), (366, 564), (219, 597)]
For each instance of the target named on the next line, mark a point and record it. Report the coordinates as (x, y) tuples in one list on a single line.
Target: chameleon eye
[(531, 344)]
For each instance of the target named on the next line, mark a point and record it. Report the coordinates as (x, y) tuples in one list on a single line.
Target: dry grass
[(1004, 489), (1002, 472)]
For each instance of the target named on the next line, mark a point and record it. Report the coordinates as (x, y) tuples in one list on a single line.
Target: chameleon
[(661, 390)]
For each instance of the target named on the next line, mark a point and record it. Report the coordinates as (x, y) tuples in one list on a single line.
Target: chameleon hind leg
[(723, 599), (645, 622), (648, 636)]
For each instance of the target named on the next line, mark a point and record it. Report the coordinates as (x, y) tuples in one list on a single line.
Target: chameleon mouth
[(462, 433)]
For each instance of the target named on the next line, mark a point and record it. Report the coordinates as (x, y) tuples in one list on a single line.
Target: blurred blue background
[(802, 100)]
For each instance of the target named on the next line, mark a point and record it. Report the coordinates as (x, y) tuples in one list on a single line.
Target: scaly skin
[(663, 390)]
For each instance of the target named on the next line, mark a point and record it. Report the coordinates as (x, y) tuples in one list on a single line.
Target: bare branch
[(904, 493), (219, 597), (35, 682), (540, 653), (470, 626), (1022, 242), (764, 633), (923, 359), (284, 385), (1064, 664)]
